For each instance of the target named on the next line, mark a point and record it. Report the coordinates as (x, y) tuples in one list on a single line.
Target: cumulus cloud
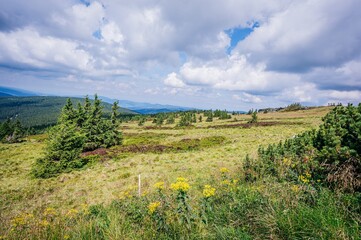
[(173, 81), (306, 35), (307, 51), (27, 48), (248, 98), (236, 73)]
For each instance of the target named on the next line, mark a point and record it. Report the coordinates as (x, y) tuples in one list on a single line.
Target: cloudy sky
[(233, 54)]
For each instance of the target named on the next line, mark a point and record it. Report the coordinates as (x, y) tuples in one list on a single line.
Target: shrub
[(332, 153)]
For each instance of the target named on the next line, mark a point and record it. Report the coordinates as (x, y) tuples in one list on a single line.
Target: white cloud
[(28, 48), (308, 34), (236, 73), (345, 96), (111, 33), (300, 93), (305, 51), (172, 80), (247, 98)]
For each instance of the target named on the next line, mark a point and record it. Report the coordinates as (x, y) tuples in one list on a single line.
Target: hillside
[(40, 111), (194, 173), (138, 107)]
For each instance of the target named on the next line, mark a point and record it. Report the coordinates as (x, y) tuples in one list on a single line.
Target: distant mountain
[(6, 92), (139, 107), (41, 111), (146, 108)]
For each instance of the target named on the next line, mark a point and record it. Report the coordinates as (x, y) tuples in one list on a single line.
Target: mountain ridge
[(139, 107)]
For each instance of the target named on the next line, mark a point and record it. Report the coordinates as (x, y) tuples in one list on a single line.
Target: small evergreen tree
[(78, 130), (254, 118), (11, 132), (210, 117)]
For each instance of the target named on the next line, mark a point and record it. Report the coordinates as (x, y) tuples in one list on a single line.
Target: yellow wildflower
[(226, 182), (224, 170), (49, 211), (22, 219), (304, 179), (159, 185), (180, 186), (72, 213), (44, 223), (287, 161), (152, 207), (295, 188), (182, 179), (66, 236), (208, 191)]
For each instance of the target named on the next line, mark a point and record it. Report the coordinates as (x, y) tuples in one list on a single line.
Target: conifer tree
[(78, 130), (68, 114)]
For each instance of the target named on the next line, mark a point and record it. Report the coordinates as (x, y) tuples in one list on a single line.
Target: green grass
[(256, 210)]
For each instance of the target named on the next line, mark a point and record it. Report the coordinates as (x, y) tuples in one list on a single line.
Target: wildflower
[(226, 182), (223, 170), (295, 188), (49, 211), (208, 191), (44, 223), (22, 219), (152, 207), (287, 161), (159, 185), (71, 213), (66, 236), (303, 179), (180, 186), (182, 179)]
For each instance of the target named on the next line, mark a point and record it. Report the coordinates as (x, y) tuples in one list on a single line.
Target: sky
[(224, 54)]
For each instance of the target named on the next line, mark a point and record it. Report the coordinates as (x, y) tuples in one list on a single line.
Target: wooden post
[(139, 185)]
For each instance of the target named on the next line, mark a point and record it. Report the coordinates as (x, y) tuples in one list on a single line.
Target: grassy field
[(157, 154)]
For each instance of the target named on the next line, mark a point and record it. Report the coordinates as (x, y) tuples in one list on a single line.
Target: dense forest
[(40, 111)]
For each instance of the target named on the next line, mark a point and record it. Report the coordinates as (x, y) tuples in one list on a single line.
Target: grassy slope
[(40, 111), (106, 180)]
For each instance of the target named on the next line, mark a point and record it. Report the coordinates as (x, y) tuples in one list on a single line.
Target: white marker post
[(139, 185)]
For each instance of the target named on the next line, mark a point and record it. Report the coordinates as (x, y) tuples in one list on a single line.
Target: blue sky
[(207, 54)]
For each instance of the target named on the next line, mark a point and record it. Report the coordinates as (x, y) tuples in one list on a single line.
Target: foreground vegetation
[(198, 182)]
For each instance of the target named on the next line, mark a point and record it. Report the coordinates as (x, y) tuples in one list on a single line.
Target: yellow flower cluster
[(224, 170), (49, 211), (44, 223), (295, 188), (66, 236), (128, 193), (159, 185), (287, 161), (153, 206), (181, 185), (304, 179), (22, 219), (208, 191), (182, 179), (72, 213)]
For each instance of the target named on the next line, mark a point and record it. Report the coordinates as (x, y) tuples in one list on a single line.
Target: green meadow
[(102, 201)]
